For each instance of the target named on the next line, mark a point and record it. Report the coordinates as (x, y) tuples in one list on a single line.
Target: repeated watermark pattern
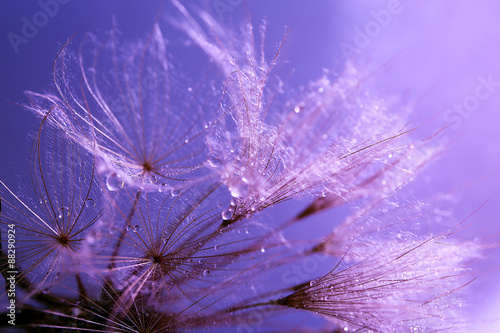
[(30, 27), (363, 36), (295, 275), (485, 87), (221, 7)]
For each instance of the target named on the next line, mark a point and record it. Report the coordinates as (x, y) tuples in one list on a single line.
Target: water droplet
[(216, 247), (312, 283), (90, 203), (114, 182), (206, 272), (236, 192), (175, 192), (190, 89), (82, 178), (296, 109), (227, 215), (214, 162), (262, 250), (63, 211)]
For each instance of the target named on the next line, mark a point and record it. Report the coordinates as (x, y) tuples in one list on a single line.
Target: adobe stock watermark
[(221, 7), (484, 89), (30, 26), (455, 115), (364, 35), (11, 272), (149, 82), (298, 273)]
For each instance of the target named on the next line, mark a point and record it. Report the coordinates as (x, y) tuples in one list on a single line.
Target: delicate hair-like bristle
[(150, 207)]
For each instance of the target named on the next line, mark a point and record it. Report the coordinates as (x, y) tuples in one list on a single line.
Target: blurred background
[(439, 57)]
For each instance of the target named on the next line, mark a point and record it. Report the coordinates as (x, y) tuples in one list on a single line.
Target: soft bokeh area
[(439, 58)]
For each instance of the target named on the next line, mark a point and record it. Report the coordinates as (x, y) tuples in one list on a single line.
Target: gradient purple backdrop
[(439, 54)]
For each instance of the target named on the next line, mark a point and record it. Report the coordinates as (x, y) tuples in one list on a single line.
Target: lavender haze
[(419, 86)]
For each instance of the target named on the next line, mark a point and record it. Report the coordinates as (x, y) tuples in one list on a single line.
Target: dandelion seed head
[(149, 201)]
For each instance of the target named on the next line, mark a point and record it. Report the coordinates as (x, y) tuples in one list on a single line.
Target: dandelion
[(153, 197), (330, 139), (52, 225), (147, 125)]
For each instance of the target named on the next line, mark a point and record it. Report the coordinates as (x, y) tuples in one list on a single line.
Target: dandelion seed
[(141, 135), (51, 234)]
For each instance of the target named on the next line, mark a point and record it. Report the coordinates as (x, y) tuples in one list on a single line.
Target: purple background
[(437, 51)]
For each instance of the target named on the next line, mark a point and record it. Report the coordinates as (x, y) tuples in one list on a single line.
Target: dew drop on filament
[(175, 192), (90, 203), (63, 211), (227, 215), (114, 182)]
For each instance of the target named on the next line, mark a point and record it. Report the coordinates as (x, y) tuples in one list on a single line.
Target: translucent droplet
[(216, 247), (312, 283), (206, 272), (262, 250), (227, 215), (114, 182), (175, 192), (82, 178), (63, 211), (90, 203), (214, 162), (236, 192)]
